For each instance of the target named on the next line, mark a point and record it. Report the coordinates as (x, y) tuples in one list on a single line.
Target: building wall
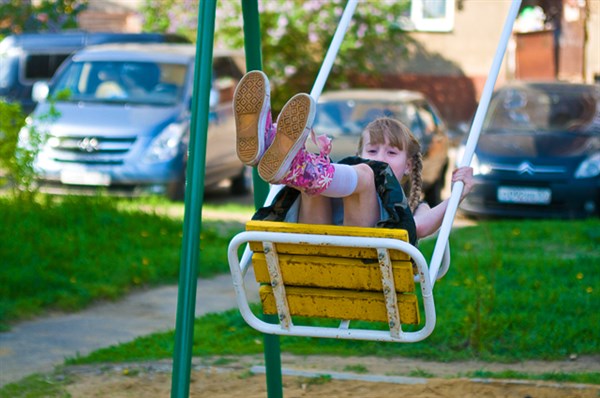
[(112, 16), (472, 44), (451, 68), (592, 48)]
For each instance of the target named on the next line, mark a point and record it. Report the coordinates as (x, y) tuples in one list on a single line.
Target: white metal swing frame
[(427, 275)]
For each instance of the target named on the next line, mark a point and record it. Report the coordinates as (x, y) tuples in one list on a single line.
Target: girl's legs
[(361, 207), (315, 209)]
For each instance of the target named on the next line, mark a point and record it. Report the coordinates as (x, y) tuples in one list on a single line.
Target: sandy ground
[(327, 377)]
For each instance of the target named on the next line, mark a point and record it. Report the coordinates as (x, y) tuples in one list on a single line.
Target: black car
[(538, 155), (343, 115)]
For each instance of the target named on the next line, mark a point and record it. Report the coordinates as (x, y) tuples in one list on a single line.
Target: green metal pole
[(252, 46), (253, 49), (194, 194)]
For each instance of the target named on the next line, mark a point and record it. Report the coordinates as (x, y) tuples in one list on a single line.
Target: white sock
[(344, 182)]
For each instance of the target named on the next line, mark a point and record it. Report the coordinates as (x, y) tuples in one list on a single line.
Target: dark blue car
[(538, 155)]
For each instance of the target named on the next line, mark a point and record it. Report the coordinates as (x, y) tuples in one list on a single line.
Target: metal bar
[(333, 49), (253, 50), (194, 193), (484, 102)]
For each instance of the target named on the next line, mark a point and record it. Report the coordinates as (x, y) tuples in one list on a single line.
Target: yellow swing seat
[(339, 272)]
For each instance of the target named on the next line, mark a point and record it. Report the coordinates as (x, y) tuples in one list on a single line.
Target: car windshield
[(122, 82), (352, 116), (559, 108)]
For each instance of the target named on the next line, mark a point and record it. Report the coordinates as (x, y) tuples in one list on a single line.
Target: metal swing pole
[(252, 49), (194, 194), (473, 138)]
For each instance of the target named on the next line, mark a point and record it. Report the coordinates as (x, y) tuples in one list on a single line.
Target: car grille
[(90, 150), (527, 168)]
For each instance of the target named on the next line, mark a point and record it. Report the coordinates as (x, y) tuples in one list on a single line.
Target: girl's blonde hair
[(399, 136)]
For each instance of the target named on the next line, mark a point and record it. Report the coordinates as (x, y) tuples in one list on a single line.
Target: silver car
[(124, 121)]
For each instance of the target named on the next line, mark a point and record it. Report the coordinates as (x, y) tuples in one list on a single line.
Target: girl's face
[(387, 153)]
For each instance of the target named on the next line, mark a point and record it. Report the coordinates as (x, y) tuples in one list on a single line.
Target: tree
[(295, 36), (17, 16)]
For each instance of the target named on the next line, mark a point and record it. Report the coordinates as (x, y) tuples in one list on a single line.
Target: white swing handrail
[(473, 138), (343, 331)]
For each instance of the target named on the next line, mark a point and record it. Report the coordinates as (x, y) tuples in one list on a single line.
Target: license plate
[(534, 196), (84, 177)]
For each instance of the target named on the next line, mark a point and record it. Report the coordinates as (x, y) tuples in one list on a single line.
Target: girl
[(361, 190)]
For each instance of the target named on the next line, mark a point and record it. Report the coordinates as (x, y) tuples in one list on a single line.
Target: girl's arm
[(427, 219)]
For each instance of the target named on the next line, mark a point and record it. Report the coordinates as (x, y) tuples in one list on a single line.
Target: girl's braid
[(416, 181)]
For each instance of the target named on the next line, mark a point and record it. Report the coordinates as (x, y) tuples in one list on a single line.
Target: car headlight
[(166, 145), (478, 167), (589, 168)]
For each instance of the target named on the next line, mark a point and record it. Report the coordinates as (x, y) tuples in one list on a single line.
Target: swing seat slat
[(340, 304), (334, 272), (327, 230)]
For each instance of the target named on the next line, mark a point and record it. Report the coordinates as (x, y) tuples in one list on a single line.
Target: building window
[(432, 15)]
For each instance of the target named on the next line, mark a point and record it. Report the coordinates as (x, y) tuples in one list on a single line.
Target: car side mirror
[(40, 91)]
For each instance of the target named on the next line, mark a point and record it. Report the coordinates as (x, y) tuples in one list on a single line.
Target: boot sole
[(251, 106), (293, 126)]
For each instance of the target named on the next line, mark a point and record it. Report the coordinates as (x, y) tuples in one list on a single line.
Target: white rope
[(334, 47), (484, 102)]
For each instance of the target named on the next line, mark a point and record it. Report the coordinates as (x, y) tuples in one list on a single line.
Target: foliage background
[(295, 36), (18, 16)]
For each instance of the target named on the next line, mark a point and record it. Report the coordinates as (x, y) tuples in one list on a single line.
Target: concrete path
[(39, 345)]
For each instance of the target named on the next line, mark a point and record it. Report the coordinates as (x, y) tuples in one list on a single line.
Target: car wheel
[(433, 196), (242, 183), (176, 189)]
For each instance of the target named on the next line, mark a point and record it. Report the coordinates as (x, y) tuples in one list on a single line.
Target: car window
[(543, 108), (42, 66), (338, 117), (118, 81), (428, 118), (226, 74)]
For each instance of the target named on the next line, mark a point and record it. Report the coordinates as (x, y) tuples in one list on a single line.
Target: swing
[(349, 273)]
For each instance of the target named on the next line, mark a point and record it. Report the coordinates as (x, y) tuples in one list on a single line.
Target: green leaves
[(295, 37)]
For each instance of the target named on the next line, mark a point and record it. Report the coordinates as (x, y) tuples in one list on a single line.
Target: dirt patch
[(327, 377)]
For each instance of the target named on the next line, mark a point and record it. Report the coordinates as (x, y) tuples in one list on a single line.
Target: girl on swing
[(361, 190)]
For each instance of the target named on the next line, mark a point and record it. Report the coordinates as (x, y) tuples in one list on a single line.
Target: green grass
[(516, 290), (39, 385), (67, 253)]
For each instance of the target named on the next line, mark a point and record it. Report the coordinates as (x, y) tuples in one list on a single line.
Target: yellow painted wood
[(334, 272), (336, 230), (341, 304), (333, 281)]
